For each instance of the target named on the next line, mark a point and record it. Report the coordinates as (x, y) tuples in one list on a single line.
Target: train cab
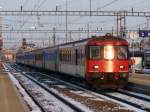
[(108, 62)]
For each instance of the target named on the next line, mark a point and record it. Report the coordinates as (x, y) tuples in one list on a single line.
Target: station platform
[(10, 99), (142, 79)]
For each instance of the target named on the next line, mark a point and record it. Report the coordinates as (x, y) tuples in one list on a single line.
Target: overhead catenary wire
[(76, 22), (107, 4), (36, 8)]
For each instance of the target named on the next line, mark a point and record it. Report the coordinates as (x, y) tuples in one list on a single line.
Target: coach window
[(72, 57), (69, 56), (62, 56), (65, 56), (94, 52)]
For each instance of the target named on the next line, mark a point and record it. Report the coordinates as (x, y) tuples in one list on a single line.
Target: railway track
[(71, 106), (141, 103), (43, 79), (139, 88)]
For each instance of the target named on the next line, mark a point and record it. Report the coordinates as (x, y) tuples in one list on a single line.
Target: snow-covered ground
[(146, 70), (143, 104), (46, 100), (137, 94), (83, 99)]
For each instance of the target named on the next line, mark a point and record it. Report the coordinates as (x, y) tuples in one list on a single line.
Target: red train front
[(107, 63)]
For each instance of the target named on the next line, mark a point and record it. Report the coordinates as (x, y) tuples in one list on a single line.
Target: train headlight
[(96, 66), (121, 67)]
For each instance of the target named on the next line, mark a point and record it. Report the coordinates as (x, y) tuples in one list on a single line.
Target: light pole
[(88, 30), (147, 24), (90, 7)]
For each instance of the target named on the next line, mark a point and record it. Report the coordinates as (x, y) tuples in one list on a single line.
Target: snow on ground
[(131, 108), (83, 107), (137, 94), (146, 70), (26, 97), (86, 109), (81, 93), (124, 106), (142, 103), (48, 101)]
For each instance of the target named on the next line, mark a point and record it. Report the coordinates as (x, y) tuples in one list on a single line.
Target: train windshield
[(122, 52), (94, 52), (109, 52)]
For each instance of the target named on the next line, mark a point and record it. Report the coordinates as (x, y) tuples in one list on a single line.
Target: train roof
[(93, 38)]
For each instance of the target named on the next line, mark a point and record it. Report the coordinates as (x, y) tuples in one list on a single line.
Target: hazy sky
[(24, 22)]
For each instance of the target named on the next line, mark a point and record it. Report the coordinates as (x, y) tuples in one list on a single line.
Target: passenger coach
[(100, 61)]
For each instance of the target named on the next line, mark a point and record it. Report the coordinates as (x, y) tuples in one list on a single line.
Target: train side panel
[(67, 60), (50, 59), (72, 60), (39, 57)]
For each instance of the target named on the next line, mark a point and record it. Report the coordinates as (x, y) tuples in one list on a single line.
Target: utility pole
[(147, 23), (90, 7), (66, 21), (121, 25), (112, 30), (79, 34), (49, 38), (88, 31), (54, 36), (70, 36)]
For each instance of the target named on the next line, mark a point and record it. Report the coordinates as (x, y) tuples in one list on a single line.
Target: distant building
[(8, 55)]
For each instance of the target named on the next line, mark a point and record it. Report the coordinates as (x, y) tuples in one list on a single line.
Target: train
[(101, 61)]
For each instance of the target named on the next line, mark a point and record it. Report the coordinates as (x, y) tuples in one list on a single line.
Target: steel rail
[(76, 108), (107, 95)]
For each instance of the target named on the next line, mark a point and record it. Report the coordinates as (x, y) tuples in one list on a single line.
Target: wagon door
[(57, 60), (80, 70), (39, 60)]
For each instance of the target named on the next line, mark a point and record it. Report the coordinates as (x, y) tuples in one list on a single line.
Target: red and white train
[(100, 61)]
